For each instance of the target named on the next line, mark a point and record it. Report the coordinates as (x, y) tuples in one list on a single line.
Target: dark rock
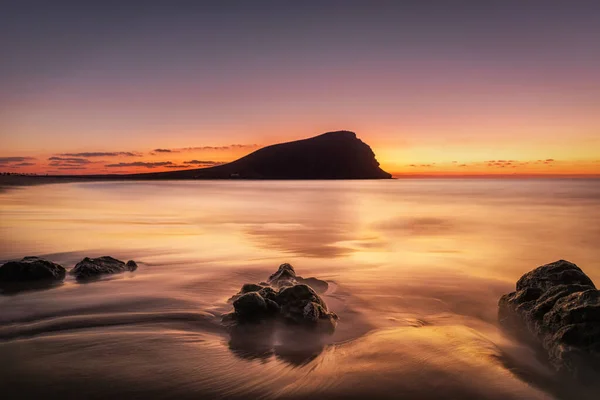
[(558, 306), (31, 269), (250, 287), (268, 293), (94, 267), (285, 276), (298, 294), (557, 273), (272, 306), (292, 301), (250, 306), (318, 285)]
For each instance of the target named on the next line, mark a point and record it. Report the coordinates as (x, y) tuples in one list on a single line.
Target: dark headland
[(332, 155)]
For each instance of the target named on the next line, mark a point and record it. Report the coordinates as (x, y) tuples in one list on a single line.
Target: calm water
[(415, 269)]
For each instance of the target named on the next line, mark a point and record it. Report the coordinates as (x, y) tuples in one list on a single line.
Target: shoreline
[(7, 181)]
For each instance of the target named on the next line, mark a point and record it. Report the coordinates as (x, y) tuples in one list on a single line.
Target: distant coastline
[(15, 180)]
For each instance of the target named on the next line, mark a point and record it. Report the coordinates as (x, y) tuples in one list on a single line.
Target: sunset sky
[(435, 87)]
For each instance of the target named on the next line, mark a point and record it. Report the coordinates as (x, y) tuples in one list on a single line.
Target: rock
[(250, 306), (318, 285), (94, 267), (291, 301), (250, 287), (558, 306), (311, 312), (272, 307), (557, 273), (285, 276), (298, 294), (31, 269), (268, 293)]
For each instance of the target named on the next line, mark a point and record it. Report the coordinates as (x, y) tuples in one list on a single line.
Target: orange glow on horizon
[(400, 163)]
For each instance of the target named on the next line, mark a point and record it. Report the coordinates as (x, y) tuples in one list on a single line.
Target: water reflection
[(294, 345)]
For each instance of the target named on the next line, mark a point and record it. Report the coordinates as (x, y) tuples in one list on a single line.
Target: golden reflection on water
[(416, 268)]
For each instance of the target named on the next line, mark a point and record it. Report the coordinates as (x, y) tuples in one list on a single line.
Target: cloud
[(71, 168), (71, 160), (140, 164), (24, 164), (200, 162), (177, 166), (64, 164), (229, 147), (550, 160), (199, 148), (103, 154), (9, 160)]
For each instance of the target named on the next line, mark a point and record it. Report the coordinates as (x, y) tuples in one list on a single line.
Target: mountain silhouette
[(332, 155)]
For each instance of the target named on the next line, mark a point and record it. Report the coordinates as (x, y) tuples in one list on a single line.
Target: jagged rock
[(31, 269), (559, 306), (285, 276), (292, 301), (94, 267)]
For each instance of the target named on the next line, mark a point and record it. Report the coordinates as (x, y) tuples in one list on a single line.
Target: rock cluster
[(38, 270), (558, 305), (285, 295)]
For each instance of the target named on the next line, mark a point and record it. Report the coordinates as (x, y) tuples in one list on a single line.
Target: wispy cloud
[(140, 164), (201, 162), (177, 166), (71, 160), (4, 161), (103, 154), (71, 168), (217, 148)]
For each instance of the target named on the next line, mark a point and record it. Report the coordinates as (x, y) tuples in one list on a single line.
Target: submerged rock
[(558, 305), (94, 267), (317, 284), (285, 298), (31, 269)]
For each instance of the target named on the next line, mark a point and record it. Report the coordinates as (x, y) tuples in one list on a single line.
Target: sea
[(415, 268)]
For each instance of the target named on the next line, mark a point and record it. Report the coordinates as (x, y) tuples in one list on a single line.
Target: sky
[(434, 87)]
